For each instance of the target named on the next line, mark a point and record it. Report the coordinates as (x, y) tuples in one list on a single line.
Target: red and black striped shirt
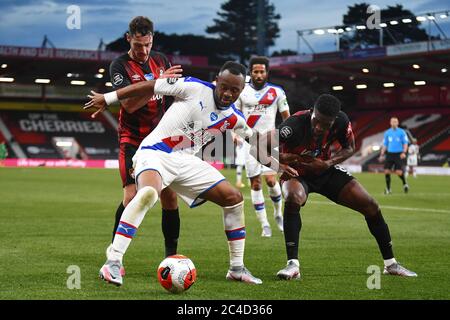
[(134, 127), (296, 136)]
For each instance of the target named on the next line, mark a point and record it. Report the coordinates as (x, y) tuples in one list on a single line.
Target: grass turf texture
[(54, 218)]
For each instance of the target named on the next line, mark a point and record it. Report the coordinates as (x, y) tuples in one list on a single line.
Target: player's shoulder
[(275, 86), (302, 114), (199, 83), (238, 112), (120, 60), (342, 117), (158, 57)]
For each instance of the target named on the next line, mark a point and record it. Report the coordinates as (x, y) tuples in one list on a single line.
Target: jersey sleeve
[(290, 129), (404, 138), (176, 87), (118, 74), (385, 139), (345, 132), (282, 102)]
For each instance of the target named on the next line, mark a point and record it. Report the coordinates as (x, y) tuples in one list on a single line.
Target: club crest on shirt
[(213, 116)]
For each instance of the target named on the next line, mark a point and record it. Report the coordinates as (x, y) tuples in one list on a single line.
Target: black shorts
[(126, 153), (329, 184), (393, 161)]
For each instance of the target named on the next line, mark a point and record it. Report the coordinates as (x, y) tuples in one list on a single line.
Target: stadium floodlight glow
[(78, 82), (383, 25), (43, 81), (4, 66), (420, 83), (421, 19), (431, 18), (360, 27), (376, 148), (444, 70), (337, 88), (69, 75), (332, 31), (348, 29), (101, 70), (388, 84), (340, 30), (416, 66), (361, 86), (6, 79), (108, 84), (443, 16), (319, 31), (98, 75), (407, 20), (365, 70), (393, 22), (64, 143)]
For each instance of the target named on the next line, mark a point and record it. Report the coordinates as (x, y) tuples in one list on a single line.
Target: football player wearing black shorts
[(308, 166)]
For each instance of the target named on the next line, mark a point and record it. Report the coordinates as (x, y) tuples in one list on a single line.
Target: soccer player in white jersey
[(413, 158), (166, 157), (260, 101)]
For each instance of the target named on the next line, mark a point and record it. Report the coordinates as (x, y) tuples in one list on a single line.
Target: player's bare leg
[(232, 203), (257, 196), (149, 190), (275, 195), (355, 197), (295, 196)]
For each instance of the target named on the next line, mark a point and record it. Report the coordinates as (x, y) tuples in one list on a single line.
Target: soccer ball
[(177, 273)]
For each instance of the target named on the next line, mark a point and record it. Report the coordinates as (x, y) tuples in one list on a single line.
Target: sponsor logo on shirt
[(117, 79)]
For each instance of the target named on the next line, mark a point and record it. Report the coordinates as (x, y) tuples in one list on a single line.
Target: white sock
[(258, 203), (131, 219), (234, 223), (275, 195), (388, 262), (239, 174)]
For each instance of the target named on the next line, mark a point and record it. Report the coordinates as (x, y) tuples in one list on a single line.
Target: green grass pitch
[(54, 218)]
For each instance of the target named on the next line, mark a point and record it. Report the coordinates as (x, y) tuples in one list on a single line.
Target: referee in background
[(395, 146)]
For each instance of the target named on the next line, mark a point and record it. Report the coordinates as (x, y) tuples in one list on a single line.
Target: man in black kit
[(308, 166)]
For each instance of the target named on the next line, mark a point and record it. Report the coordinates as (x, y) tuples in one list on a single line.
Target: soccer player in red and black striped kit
[(139, 116), (308, 166)]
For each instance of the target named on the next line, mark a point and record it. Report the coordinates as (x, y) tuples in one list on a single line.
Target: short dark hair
[(142, 25), (259, 60), (328, 105), (234, 68)]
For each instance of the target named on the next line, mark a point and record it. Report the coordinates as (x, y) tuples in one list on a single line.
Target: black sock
[(119, 212), (379, 229), (171, 230), (402, 177), (388, 181), (292, 224)]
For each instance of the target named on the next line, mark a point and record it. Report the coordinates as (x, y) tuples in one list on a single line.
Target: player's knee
[(233, 198), (271, 181), (256, 184), (147, 196), (372, 209), (296, 197)]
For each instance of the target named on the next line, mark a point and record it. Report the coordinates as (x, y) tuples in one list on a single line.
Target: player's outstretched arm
[(264, 151)]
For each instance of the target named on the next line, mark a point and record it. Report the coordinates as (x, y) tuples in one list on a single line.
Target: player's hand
[(316, 165), (173, 72), (97, 101), (288, 172), (381, 158), (402, 155), (294, 159)]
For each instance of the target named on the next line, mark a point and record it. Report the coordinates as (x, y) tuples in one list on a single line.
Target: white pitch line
[(382, 207)]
